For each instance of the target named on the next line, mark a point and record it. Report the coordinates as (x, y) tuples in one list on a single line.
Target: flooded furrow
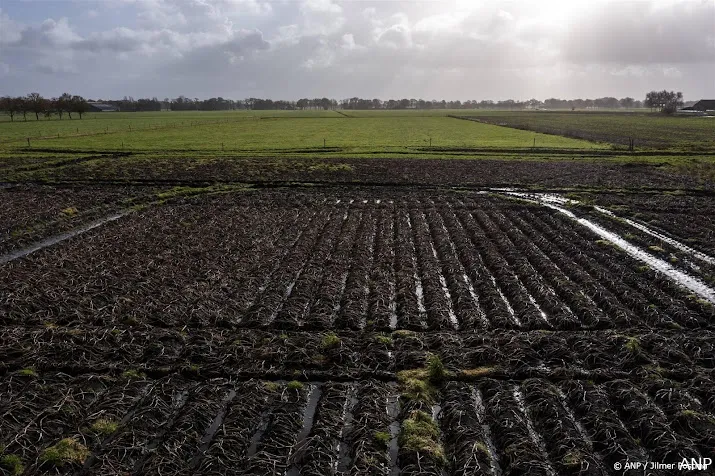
[(212, 430), (535, 437), (506, 301), (671, 241), (488, 441), (419, 291), (344, 460), (53, 240), (393, 411), (689, 282), (314, 394)]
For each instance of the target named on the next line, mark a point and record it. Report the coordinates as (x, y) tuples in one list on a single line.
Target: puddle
[(506, 301), (178, 400), (393, 410), (482, 418), (211, 431), (579, 427), (445, 290), (681, 278), (463, 272), (674, 243), (338, 302), (342, 465), (535, 437), (258, 434), (58, 238), (368, 268), (538, 308), (419, 292), (308, 417)]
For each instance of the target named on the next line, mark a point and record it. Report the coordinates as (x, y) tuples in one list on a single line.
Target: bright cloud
[(456, 49)]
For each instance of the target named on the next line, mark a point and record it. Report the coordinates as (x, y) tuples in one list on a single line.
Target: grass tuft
[(104, 426), (382, 339), (420, 433), (330, 340), (133, 374), (271, 386), (436, 370), (28, 372), (69, 212), (382, 438), (295, 385), (12, 464), (633, 344), (66, 451)]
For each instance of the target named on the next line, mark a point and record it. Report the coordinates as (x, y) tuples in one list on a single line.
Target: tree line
[(35, 104), (664, 101)]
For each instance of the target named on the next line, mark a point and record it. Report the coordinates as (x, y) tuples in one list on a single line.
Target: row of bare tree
[(35, 104), (664, 101)]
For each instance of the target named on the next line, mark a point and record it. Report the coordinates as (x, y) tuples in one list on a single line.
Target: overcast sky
[(287, 49)]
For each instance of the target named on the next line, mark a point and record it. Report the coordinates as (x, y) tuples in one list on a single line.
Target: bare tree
[(64, 104), (79, 105), (48, 107), (10, 105)]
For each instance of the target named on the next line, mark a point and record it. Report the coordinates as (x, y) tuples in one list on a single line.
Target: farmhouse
[(702, 105), (102, 107)]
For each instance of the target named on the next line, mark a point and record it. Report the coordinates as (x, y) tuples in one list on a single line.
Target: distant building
[(702, 105), (102, 107)]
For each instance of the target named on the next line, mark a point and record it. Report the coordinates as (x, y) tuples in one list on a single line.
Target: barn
[(102, 107), (702, 105)]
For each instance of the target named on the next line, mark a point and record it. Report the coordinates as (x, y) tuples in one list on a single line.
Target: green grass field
[(267, 131)]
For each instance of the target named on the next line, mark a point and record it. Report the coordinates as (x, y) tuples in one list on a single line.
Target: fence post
[(534, 141), (323, 143), (28, 142)]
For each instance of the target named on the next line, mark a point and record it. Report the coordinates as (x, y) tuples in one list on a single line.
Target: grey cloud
[(48, 34), (119, 40)]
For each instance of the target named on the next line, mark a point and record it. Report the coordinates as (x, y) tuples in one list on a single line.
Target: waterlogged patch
[(683, 279)]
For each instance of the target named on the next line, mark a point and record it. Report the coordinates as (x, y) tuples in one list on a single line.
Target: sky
[(289, 49)]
